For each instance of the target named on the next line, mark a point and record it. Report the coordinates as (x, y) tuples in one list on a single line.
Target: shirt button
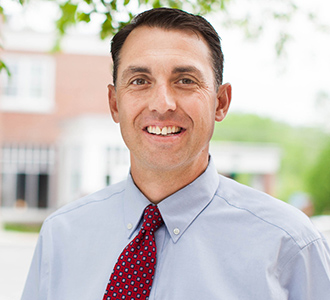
[(129, 226), (176, 231)]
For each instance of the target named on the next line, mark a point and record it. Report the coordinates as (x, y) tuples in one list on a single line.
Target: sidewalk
[(16, 251)]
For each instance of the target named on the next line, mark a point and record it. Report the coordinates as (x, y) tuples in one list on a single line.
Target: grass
[(21, 227)]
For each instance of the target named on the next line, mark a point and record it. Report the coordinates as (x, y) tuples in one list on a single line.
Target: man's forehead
[(147, 35), (147, 40)]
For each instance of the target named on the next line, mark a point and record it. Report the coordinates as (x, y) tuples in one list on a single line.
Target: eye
[(186, 81), (139, 81)]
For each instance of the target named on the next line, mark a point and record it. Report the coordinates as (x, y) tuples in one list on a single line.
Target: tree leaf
[(83, 17), (113, 4), (107, 28), (68, 17), (3, 67)]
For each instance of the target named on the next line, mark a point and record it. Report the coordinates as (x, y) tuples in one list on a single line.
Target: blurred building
[(57, 139), (44, 99)]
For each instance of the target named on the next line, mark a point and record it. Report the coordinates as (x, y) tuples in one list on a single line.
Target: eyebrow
[(188, 69), (135, 69)]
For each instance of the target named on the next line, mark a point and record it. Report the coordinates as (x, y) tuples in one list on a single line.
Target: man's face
[(165, 99)]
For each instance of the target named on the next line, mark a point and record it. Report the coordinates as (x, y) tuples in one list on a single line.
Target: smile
[(167, 130)]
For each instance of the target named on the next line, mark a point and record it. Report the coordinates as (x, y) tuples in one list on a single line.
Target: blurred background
[(57, 139)]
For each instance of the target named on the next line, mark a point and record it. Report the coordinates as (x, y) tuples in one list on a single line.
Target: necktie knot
[(152, 219)]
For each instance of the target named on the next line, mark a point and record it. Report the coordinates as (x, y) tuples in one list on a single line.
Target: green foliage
[(73, 12), (319, 182), (116, 14), (300, 146), (4, 67), (68, 17)]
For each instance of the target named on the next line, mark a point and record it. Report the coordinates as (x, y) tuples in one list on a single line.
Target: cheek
[(129, 107), (201, 107)]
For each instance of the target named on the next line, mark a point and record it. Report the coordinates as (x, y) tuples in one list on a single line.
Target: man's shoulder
[(98, 200), (282, 217)]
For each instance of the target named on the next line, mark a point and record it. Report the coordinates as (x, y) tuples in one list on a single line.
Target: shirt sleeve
[(35, 285), (307, 275)]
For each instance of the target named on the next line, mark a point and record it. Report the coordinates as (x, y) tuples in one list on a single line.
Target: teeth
[(164, 131)]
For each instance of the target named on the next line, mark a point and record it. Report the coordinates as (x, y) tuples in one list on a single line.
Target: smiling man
[(166, 100), (175, 229)]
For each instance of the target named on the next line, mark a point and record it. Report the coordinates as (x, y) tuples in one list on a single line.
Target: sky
[(286, 88)]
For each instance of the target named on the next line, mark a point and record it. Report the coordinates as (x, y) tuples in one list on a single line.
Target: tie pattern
[(133, 273)]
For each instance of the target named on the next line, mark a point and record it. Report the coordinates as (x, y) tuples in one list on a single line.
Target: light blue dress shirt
[(221, 240)]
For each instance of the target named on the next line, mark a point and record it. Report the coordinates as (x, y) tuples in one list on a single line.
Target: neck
[(157, 184)]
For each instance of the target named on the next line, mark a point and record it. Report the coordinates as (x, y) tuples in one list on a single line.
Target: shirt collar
[(178, 210), (134, 204)]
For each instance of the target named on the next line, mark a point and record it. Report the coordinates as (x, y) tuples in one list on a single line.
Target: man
[(213, 238)]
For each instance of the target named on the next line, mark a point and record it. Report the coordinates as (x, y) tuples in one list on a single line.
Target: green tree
[(319, 182), (300, 146)]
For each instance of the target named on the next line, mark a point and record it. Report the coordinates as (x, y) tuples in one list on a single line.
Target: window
[(26, 175), (31, 86)]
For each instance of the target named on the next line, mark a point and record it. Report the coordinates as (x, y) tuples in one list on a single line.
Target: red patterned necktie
[(134, 271)]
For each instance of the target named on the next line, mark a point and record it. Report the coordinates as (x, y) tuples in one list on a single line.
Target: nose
[(162, 100)]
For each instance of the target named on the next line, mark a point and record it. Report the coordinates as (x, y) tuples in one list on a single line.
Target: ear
[(113, 103), (223, 101)]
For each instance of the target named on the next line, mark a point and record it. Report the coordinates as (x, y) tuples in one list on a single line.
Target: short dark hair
[(169, 18)]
